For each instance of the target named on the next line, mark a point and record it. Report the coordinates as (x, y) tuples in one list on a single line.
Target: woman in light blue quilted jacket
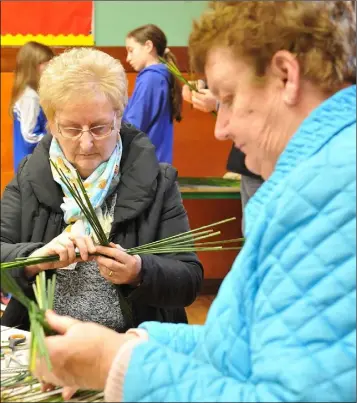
[(283, 326)]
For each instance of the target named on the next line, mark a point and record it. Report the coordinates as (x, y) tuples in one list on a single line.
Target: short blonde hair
[(322, 35), (78, 73)]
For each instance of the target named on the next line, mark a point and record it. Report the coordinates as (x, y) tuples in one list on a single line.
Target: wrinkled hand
[(81, 355), (67, 391), (117, 266), (63, 245), (204, 101), (187, 92)]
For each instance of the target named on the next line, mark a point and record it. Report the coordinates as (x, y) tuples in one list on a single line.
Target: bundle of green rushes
[(174, 70), (44, 292)]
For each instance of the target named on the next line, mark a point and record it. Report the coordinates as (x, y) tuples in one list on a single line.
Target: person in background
[(5, 297), (283, 325), (136, 199), (29, 119), (250, 182), (203, 100), (156, 101)]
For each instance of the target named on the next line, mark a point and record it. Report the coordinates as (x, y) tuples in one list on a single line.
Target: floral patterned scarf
[(98, 185)]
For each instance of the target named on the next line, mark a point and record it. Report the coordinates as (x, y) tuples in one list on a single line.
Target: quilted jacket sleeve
[(180, 378), (181, 338), (302, 343)]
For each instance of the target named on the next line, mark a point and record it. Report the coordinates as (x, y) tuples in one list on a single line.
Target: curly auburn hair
[(322, 35)]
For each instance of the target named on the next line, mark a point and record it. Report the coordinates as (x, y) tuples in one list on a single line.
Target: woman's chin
[(253, 165)]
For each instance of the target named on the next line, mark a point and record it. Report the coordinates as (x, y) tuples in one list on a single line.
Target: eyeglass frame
[(81, 131)]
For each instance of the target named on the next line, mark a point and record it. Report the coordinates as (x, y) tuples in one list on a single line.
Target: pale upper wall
[(114, 19)]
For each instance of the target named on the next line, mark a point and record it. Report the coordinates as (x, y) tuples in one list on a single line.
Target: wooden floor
[(197, 312)]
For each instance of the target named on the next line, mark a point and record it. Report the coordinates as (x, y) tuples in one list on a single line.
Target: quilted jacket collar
[(332, 116), (139, 170)]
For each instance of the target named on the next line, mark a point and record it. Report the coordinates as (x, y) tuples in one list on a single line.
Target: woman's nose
[(221, 131), (86, 140)]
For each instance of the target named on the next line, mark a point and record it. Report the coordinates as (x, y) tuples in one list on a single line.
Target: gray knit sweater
[(84, 294)]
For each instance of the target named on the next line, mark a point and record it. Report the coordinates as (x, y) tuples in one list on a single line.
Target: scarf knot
[(102, 182)]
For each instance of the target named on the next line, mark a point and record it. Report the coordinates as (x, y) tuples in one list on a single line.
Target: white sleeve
[(28, 110)]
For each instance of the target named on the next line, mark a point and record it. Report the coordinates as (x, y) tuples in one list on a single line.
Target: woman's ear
[(285, 67)]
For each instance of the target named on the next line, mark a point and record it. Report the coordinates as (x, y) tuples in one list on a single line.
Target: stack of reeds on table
[(190, 241), (20, 386)]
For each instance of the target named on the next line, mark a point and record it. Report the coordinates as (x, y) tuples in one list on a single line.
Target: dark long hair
[(154, 34)]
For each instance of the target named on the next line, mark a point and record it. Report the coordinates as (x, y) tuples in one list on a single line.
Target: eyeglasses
[(98, 132)]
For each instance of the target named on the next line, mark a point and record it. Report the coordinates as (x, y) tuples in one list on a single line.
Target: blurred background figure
[(203, 100), (124, 183), (5, 297), (156, 101), (29, 120)]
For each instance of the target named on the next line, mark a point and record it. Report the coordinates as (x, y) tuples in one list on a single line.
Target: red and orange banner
[(56, 23)]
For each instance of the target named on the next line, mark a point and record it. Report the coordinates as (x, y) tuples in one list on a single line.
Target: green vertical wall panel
[(114, 19)]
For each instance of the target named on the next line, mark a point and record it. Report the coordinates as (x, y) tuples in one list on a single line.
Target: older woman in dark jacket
[(136, 199)]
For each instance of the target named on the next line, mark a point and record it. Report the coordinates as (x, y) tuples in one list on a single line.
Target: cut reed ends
[(20, 386)]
